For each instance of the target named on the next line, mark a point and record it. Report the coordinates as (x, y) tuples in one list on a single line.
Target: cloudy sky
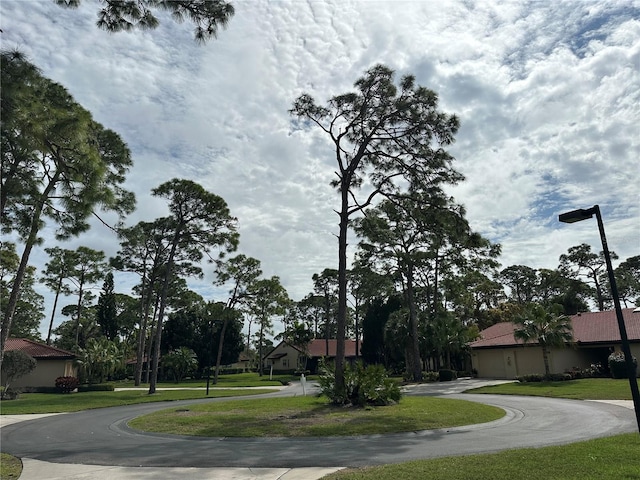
[(548, 94)]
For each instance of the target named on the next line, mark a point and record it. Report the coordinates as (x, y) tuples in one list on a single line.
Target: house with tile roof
[(498, 354), (52, 363), (286, 357)]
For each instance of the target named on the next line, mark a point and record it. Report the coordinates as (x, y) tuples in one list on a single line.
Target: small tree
[(16, 364), (180, 362), (549, 328), (100, 359)]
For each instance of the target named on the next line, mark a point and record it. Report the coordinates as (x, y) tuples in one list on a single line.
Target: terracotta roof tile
[(36, 350), (318, 348), (590, 327)]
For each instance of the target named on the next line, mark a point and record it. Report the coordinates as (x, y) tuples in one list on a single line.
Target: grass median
[(609, 458), (10, 467), (75, 402), (313, 416), (580, 389)]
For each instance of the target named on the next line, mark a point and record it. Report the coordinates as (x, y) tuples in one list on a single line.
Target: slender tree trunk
[(225, 322), (357, 332), (79, 309), (145, 304), (327, 321), (416, 365), (249, 335), (24, 263), (545, 357), (53, 313), (260, 342), (599, 293), (152, 335), (342, 285), (163, 301)]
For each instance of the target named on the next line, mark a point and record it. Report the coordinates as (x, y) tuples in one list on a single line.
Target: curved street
[(101, 437)]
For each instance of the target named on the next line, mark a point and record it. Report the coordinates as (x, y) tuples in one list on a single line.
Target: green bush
[(40, 389), (97, 387), (66, 384), (16, 364), (532, 377), (430, 376), (9, 393), (618, 365), (446, 375), (369, 385), (539, 377)]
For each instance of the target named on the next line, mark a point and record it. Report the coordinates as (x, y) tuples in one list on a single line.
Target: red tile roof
[(318, 348), (590, 327), (37, 350)]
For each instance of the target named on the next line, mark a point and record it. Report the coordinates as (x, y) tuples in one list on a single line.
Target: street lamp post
[(583, 214)]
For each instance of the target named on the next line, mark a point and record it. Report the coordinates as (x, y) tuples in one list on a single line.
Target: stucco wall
[(515, 361), (45, 374), (288, 362)]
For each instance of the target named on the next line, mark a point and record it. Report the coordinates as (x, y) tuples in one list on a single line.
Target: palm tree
[(547, 327)]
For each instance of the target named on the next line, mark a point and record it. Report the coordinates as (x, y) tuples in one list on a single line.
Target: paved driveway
[(101, 437)]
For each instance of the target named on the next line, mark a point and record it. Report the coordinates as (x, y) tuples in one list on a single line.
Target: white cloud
[(548, 94)]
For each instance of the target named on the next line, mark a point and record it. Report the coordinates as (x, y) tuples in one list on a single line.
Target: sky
[(547, 92)]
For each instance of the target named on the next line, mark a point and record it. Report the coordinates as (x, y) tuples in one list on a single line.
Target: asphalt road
[(101, 437)]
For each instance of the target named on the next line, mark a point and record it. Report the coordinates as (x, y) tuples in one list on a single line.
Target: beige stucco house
[(52, 363), (286, 357), (497, 354)]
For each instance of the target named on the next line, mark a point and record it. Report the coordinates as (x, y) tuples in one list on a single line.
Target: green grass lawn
[(10, 467), (313, 416), (74, 402), (581, 389), (235, 380), (611, 458)]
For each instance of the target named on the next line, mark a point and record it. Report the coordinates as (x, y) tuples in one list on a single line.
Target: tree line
[(421, 286)]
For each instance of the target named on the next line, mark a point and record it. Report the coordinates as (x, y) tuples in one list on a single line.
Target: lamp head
[(577, 215)]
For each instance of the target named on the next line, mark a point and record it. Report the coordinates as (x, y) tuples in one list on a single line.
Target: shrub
[(369, 385), (97, 387), (40, 389), (558, 377), (430, 376), (618, 365), (10, 394), (532, 377), (539, 377), (446, 375), (16, 364), (66, 384), (180, 362)]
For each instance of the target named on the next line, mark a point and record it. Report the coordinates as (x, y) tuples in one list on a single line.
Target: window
[(285, 362)]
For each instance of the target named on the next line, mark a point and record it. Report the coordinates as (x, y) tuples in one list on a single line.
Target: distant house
[(52, 363), (497, 354), (243, 364), (286, 357)]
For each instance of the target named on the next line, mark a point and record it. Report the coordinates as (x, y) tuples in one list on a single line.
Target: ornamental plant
[(618, 365), (66, 384), (363, 386)]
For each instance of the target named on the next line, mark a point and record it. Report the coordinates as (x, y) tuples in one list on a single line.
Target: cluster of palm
[(100, 359)]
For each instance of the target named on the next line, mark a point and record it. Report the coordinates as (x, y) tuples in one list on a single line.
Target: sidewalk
[(37, 470)]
